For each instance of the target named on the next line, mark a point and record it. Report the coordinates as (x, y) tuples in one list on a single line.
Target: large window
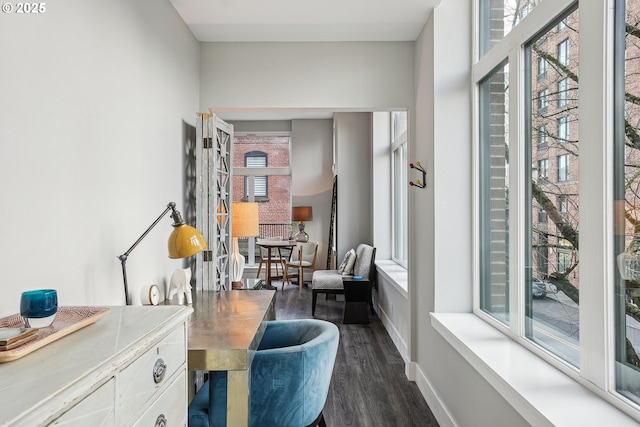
[(558, 210), (542, 293), (399, 186)]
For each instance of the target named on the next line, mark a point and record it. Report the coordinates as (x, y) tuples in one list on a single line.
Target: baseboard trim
[(397, 339), (415, 374), (438, 409)]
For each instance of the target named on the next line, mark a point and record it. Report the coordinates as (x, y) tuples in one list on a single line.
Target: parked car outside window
[(538, 288)]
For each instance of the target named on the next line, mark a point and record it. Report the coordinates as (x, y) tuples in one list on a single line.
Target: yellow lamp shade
[(185, 241)]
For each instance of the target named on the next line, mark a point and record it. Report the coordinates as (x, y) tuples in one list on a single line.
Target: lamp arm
[(177, 218)]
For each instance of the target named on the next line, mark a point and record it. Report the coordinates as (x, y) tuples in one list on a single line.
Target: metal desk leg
[(238, 398)]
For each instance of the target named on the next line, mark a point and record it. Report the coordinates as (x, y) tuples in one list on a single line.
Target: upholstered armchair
[(359, 262), (290, 376)]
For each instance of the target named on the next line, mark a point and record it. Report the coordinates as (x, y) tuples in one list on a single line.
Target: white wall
[(358, 76), (354, 168), (440, 272), (311, 177), (95, 97), (251, 126), (392, 307)]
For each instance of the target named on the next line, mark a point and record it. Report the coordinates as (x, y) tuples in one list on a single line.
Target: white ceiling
[(302, 21)]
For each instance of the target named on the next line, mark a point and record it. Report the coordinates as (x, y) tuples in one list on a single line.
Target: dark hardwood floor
[(368, 387)]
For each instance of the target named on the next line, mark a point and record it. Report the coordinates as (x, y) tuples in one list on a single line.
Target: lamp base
[(237, 262), (237, 285), (301, 236)]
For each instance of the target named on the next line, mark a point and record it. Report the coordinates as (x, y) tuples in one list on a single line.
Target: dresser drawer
[(170, 409), (151, 372), (97, 409)]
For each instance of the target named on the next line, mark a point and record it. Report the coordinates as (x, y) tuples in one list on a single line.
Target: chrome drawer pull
[(161, 421), (159, 369)]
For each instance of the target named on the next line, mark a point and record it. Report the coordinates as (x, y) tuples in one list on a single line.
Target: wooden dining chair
[(303, 256), (276, 257)]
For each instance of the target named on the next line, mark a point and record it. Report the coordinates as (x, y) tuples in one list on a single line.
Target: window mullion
[(517, 197), (596, 193)]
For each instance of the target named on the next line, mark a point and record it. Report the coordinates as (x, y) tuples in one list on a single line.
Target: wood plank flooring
[(368, 387)]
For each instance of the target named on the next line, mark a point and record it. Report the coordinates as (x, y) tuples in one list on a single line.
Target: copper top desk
[(223, 334)]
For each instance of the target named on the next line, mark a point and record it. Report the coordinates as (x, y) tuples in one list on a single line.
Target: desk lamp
[(184, 241)]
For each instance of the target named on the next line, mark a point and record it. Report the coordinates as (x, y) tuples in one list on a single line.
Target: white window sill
[(393, 273), (539, 392)]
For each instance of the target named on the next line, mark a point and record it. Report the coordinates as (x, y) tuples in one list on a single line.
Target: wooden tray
[(68, 320)]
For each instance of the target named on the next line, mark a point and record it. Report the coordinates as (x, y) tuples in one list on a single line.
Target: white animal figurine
[(181, 284)]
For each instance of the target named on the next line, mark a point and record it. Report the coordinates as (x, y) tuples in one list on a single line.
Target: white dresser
[(129, 368)]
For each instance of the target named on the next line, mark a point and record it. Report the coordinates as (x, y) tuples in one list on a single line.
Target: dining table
[(278, 246)]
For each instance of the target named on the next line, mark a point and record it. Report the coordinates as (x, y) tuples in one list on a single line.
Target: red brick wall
[(276, 208)]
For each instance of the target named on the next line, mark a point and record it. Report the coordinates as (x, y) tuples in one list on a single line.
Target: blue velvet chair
[(290, 376)]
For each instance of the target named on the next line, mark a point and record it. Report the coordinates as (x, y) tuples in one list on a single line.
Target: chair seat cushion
[(326, 279), (296, 264)]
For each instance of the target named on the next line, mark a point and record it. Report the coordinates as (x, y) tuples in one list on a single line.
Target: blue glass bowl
[(38, 308)]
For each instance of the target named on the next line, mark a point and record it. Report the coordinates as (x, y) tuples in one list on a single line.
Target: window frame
[(563, 167), (543, 69), (563, 129), (256, 154), (563, 92), (543, 164), (563, 50), (543, 101), (596, 116), (543, 135), (399, 182)]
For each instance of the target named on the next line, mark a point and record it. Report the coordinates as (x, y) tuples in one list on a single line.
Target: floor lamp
[(184, 241), (244, 223)]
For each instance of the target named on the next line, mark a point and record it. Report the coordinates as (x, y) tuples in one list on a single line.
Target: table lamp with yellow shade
[(184, 241), (244, 223)]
